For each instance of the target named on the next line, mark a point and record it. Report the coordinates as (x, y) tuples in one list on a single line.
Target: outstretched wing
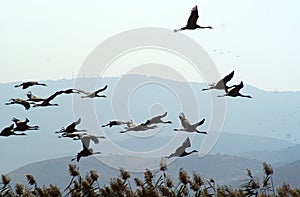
[(162, 116), (228, 77), (77, 122), (54, 95), (192, 21), (87, 139), (102, 89), (83, 92)]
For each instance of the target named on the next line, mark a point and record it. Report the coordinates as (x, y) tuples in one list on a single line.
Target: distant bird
[(234, 92), (133, 127), (114, 123), (86, 151), (34, 98), (22, 125), (70, 128), (27, 84), (157, 120), (187, 126), (192, 22), (222, 84), (19, 101), (8, 131), (180, 151), (46, 102), (93, 94)]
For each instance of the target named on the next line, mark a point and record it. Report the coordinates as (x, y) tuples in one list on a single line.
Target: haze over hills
[(268, 122)]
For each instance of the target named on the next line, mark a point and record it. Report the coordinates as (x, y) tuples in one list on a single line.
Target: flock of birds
[(20, 126)]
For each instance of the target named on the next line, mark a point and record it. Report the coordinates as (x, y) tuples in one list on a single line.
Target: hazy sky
[(42, 40)]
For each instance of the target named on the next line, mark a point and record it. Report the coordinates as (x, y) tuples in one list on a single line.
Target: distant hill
[(223, 169), (288, 173), (276, 157)]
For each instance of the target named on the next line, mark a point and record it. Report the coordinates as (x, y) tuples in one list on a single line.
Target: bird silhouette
[(93, 94), (188, 127), (133, 127), (157, 120), (86, 150), (70, 129), (222, 84), (73, 135), (192, 22), (23, 125), (235, 91), (8, 131), (46, 102), (114, 123), (27, 84), (19, 101), (34, 98), (181, 150)]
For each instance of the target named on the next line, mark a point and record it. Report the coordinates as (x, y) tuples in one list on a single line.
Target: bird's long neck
[(204, 27), (246, 96), (186, 153)]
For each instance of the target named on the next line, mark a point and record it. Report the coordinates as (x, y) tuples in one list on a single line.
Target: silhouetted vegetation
[(123, 185)]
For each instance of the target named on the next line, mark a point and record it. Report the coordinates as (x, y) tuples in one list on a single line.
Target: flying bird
[(22, 125), (222, 84), (19, 101), (157, 120), (47, 101), (188, 127), (8, 131), (192, 22), (93, 94), (180, 151), (86, 150), (27, 84), (70, 129), (133, 127), (114, 123), (235, 92)]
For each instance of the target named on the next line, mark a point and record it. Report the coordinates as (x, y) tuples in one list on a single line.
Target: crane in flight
[(158, 120), (19, 101), (131, 126), (192, 22), (27, 84), (22, 125), (222, 84), (8, 131), (188, 127), (235, 91), (93, 94), (181, 150), (86, 150), (70, 130)]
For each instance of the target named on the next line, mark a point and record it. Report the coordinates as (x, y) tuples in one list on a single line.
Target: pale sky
[(42, 40)]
